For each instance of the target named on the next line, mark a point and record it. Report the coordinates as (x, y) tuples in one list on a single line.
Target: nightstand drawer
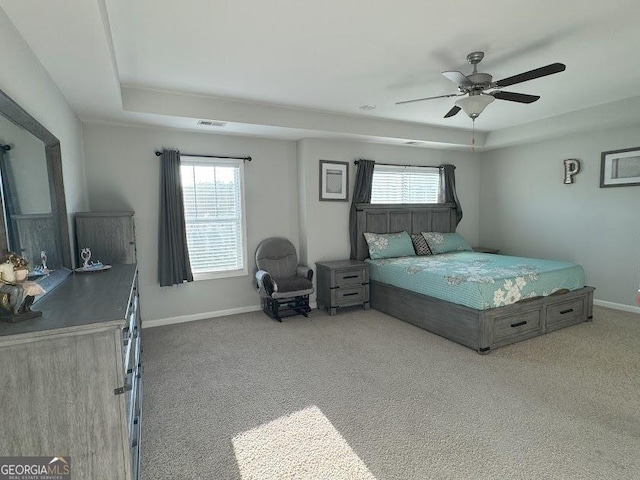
[(345, 296), (350, 276)]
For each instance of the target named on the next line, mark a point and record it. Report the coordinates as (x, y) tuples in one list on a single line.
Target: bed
[(485, 323)]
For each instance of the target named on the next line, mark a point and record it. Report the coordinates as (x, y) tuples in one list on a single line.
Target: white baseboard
[(199, 316), (617, 306), (203, 316)]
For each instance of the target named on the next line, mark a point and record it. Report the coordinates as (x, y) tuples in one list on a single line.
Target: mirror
[(34, 214)]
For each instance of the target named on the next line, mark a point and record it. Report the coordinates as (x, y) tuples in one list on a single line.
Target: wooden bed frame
[(481, 330)]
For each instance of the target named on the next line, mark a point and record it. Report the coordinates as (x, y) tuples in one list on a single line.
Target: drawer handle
[(350, 294), (350, 276), (519, 324), (569, 310), (120, 390)]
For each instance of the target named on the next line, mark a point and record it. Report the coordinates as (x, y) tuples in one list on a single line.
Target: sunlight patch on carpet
[(301, 446)]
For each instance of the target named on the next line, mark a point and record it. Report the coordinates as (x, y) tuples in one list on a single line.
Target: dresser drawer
[(135, 448), (345, 296), (131, 353), (349, 276), (131, 327), (565, 313), (517, 326)]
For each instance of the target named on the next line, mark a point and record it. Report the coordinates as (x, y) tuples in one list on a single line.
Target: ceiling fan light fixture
[(474, 105)]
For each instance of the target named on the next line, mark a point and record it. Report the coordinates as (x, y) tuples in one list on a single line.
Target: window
[(396, 184), (213, 191)]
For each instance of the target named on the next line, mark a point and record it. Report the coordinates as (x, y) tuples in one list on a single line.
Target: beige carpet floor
[(363, 395)]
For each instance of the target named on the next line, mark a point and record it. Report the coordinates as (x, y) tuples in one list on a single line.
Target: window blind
[(393, 184), (212, 191)]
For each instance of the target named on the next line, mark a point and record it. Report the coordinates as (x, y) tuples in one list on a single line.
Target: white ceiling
[(291, 68)]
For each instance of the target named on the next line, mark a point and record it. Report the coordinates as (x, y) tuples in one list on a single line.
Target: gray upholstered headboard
[(415, 218)]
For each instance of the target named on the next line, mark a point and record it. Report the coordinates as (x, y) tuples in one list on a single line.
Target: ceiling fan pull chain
[(473, 135)]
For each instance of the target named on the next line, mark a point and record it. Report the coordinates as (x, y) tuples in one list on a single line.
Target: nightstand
[(486, 250), (343, 283)]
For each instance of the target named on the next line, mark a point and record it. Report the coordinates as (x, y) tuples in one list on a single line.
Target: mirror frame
[(19, 116)]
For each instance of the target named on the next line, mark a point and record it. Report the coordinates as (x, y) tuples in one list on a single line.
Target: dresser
[(342, 283), (111, 236), (71, 381)]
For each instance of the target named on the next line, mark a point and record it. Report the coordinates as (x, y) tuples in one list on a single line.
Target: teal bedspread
[(477, 280)]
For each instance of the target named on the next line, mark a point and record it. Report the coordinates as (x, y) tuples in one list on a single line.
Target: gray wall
[(526, 209), (281, 195), (513, 199), (23, 78), (123, 174), (324, 225)]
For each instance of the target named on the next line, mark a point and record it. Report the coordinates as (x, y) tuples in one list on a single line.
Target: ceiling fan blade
[(515, 97), (430, 98), (452, 112), (458, 78), (532, 74)]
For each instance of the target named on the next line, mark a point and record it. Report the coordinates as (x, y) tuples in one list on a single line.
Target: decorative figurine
[(43, 259), (88, 266), (85, 254), (16, 294)]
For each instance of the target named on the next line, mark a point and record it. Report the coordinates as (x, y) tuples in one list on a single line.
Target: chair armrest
[(305, 272), (265, 282)]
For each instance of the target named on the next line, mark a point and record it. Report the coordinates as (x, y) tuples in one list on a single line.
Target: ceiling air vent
[(211, 123)]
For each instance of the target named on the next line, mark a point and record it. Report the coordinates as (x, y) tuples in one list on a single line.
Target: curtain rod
[(247, 159), (397, 165)]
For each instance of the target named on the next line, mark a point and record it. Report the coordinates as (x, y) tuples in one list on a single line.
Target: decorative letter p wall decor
[(571, 168)]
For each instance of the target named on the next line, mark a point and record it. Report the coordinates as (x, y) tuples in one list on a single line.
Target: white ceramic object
[(86, 256)]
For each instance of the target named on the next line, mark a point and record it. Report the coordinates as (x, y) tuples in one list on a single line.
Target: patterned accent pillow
[(389, 245), (446, 242), (420, 244)]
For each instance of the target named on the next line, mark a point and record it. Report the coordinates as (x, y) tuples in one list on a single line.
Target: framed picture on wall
[(334, 181), (620, 168)]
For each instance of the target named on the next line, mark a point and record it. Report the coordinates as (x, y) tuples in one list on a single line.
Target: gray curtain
[(361, 194), (10, 199), (173, 256), (449, 195)]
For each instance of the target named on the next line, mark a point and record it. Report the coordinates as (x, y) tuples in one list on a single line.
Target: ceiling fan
[(473, 87)]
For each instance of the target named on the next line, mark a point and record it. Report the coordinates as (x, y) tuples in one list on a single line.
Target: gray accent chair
[(284, 285)]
